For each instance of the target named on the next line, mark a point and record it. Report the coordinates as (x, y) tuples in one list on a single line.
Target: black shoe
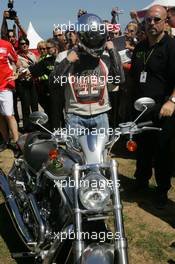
[(15, 148), (141, 186), (21, 130), (3, 146), (161, 199), (138, 189)]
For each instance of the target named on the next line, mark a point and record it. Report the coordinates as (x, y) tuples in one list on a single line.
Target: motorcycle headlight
[(94, 192)]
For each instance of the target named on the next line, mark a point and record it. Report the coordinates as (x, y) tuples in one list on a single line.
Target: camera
[(114, 11), (11, 13)]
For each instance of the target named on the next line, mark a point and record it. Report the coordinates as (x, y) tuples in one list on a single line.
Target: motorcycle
[(61, 198)]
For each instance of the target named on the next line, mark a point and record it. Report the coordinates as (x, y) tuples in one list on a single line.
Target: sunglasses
[(22, 43), (155, 19), (131, 31), (48, 48), (43, 48)]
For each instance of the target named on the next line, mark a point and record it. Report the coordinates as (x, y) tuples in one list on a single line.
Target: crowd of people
[(146, 70)]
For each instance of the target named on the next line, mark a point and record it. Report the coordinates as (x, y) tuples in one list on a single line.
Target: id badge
[(143, 77)]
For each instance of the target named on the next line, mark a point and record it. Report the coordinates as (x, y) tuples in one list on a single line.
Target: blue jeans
[(81, 125), (99, 123)]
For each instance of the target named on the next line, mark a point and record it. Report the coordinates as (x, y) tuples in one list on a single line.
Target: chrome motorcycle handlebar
[(128, 128), (133, 128)]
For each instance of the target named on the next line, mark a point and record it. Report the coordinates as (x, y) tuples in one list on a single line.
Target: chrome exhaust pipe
[(13, 211), (36, 213)]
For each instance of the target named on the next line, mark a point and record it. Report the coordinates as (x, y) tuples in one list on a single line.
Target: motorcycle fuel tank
[(93, 147)]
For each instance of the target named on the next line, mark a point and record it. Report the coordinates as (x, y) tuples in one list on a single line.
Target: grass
[(152, 245), (155, 244)]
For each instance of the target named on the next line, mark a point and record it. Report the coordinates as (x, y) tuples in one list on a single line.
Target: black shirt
[(45, 66), (160, 68)]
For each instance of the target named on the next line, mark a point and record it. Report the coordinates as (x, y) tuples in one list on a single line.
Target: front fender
[(98, 254)]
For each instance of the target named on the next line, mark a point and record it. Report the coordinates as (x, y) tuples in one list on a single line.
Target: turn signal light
[(53, 154), (131, 146)]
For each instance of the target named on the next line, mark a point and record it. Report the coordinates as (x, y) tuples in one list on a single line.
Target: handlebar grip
[(147, 123), (151, 128)]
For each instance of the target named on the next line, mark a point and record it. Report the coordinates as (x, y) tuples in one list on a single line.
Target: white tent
[(166, 3), (33, 36)]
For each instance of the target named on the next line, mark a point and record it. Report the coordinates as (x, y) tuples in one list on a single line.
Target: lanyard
[(147, 59)]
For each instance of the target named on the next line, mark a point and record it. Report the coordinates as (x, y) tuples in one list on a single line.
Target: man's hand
[(6, 14), (24, 74), (129, 46), (12, 77), (167, 109), (73, 56), (133, 14), (109, 45), (114, 11)]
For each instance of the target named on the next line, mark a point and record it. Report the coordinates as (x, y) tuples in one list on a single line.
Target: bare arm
[(134, 15), (4, 29), (17, 22)]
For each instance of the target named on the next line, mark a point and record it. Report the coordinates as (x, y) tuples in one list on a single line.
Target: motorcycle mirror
[(144, 103), (38, 118)]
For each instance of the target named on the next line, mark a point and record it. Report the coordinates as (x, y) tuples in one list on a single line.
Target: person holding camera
[(10, 34)]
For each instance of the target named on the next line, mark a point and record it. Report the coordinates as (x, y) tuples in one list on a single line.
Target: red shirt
[(7, 57)]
